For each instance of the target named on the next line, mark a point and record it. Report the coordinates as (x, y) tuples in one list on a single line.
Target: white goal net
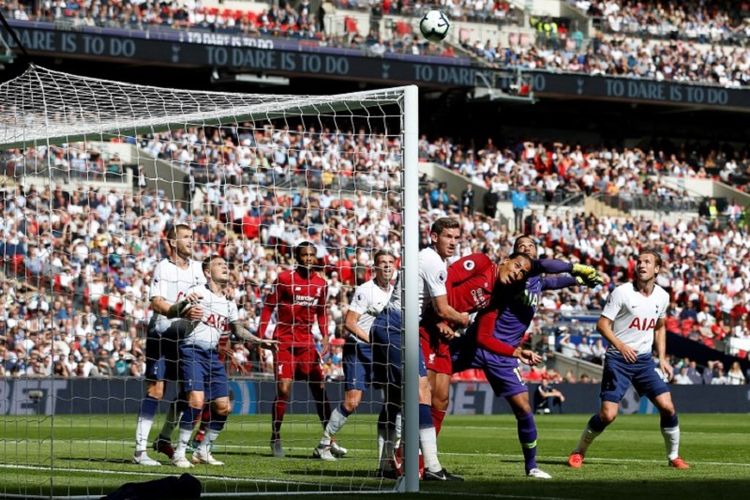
[(101, 184)]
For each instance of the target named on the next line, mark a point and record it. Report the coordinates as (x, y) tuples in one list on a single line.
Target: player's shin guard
[(670, 429), (527, 437), (335, 423), (277, 417), (428, 439), (594, 427), (187, 423), (437, 419), (214, 428), (145, 421)]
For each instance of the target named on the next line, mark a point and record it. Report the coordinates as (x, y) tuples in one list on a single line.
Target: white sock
[(428, 445), (671, 441), (211, 435), (335, 423), (397, 438), (382, 435), (182, 444), (587, 437), (142, 429), (173, 418)]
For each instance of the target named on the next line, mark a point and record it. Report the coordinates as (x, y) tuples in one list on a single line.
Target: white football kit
[(171, 283), (634, 315)]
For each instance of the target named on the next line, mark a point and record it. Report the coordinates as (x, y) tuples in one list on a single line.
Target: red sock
[(205, 417), (279, 408), (437, 419)]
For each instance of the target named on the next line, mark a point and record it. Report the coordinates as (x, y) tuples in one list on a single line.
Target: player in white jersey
[(632, 322), (369, 299), (434, 340), (170, 281), (203, 376)]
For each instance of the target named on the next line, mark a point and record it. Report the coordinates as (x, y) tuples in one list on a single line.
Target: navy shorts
[(201, 370), (357, 365), (161, 358), (386, 349), (619, 374)]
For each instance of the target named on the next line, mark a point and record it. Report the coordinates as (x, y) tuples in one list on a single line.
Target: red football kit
[(470, 283), (299, 302)]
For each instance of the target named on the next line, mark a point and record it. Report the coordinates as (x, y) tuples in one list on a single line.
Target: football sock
[(397, 428), (670, 429), (145, 421), (337, 421), (176, 407), (277, 416), (527, 436), (594, 427), (437, 419), (187, 423), (321, 403), (205, 417), (214, 428), (428, 440)]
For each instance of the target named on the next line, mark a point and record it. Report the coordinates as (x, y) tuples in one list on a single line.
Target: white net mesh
[(93, 174)]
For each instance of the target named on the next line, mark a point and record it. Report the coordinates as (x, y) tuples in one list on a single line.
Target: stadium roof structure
[(44, 107)]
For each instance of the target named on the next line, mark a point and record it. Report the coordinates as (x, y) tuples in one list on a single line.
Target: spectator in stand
[(547, 397), (735, 375)]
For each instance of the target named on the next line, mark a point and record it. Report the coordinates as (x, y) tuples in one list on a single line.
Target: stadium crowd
[(77, 260), (704, 21), (626, 54)]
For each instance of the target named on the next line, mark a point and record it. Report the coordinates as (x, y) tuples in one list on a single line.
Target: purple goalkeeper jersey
[(515, 311)]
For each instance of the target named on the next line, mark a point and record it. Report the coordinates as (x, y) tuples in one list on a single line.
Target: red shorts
[(298, 363), (436, 350)]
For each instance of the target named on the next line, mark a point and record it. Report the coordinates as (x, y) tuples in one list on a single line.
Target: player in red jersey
[(470, 284), (299, 297)]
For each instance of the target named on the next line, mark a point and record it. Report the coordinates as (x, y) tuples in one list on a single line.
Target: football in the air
[(434, 25)]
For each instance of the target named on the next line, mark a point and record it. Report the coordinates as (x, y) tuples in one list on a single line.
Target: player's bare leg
[(283, 388), (154, 394), (338, 418), (595, 426), (670, 429), (440, 384), (527, 433)]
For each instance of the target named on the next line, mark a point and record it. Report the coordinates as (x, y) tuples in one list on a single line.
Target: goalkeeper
[(508, 324)]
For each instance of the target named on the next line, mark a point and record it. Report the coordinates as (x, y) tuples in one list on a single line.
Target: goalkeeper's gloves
[(587, 272), (591, 283)]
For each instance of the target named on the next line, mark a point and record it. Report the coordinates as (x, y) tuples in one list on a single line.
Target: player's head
[(526, 245), (444, 234), (514, 269), (647, 265), (180, 240), (306, 254), (216, 269), (385, 266)]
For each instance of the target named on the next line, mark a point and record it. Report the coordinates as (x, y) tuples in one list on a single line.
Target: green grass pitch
[(91, 456)]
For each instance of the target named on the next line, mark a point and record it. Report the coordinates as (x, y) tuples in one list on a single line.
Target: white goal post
[(93, 173)]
